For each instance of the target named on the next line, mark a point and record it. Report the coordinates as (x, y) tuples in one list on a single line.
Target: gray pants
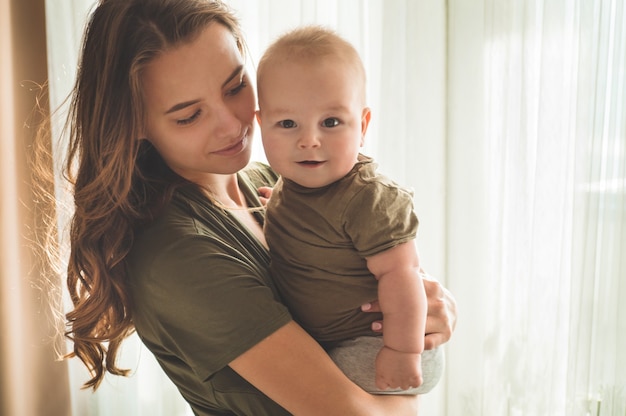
[(356, 358)]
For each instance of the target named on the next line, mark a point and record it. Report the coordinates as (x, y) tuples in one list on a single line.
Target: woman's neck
[(225, 189)]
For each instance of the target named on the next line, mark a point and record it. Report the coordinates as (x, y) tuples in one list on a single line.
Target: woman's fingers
[(441, 319), (442, 313)]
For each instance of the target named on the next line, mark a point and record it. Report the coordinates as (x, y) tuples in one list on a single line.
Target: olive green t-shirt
[(202, 295), (319, 239)]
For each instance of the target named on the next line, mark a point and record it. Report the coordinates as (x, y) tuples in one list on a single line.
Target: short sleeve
[(380, 216), (208, 303)]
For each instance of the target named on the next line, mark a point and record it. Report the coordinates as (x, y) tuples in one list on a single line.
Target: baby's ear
[(365, 121)]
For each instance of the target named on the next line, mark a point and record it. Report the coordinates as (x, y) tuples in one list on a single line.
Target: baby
[(340, 234)]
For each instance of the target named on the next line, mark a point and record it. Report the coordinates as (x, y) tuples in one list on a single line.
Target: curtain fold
[(598, 320)]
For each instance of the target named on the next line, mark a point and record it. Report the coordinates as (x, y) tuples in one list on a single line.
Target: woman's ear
[(366, 115), (257, 113), (142, 135)]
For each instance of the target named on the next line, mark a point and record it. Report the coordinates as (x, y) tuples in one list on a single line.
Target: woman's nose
[(226, 122)]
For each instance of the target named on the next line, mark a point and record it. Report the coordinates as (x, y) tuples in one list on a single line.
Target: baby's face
[(313, 120)]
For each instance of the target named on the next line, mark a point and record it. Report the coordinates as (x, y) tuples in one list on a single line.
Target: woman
[(167, 238)]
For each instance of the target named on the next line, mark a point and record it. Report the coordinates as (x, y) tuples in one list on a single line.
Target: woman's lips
[(233, 149)]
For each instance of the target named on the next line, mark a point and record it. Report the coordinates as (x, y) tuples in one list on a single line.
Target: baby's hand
[(395, 369), (265, 192)]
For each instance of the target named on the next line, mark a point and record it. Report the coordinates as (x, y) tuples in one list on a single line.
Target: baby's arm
[(402, 300)]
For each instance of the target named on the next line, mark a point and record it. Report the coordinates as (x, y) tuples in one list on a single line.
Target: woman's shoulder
[(172, 227)]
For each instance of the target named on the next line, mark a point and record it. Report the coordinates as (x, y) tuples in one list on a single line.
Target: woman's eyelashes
[(243, 84), (189, 120), (233, 91)]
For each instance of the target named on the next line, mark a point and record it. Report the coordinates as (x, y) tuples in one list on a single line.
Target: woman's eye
[(287, 124), (330, 122), (189, 120), (243, 84)]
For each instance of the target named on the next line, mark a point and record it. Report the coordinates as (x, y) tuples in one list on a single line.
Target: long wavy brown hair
[(119, 181)]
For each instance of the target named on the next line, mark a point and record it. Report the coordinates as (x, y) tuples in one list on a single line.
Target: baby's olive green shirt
[(319, 240)]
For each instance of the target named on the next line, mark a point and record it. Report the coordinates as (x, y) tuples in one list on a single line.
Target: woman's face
[(200, 106)]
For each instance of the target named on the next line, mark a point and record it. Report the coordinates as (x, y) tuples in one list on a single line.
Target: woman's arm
[(294, 371), (442, 313)]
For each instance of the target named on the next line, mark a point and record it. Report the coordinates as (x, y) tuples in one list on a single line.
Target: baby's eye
[(189, 120), (330, 122), (287, 124)]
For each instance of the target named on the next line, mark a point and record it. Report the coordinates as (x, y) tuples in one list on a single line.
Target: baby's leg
[(356, 358)]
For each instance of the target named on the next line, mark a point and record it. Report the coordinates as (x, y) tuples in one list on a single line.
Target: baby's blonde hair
[(309, 44)]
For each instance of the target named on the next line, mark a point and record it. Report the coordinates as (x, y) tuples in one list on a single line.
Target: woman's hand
[(442, 313)]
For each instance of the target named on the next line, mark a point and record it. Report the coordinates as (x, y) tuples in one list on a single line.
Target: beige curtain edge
[(32, 380)]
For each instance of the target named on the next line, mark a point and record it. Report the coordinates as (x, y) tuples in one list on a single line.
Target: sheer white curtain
[(537, 207)]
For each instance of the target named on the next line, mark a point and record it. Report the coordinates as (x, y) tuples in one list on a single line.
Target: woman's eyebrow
[(180, 106), (184, 104), (234, 74)]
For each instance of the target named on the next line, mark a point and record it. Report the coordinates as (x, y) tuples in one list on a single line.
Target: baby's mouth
[(310, 162)]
